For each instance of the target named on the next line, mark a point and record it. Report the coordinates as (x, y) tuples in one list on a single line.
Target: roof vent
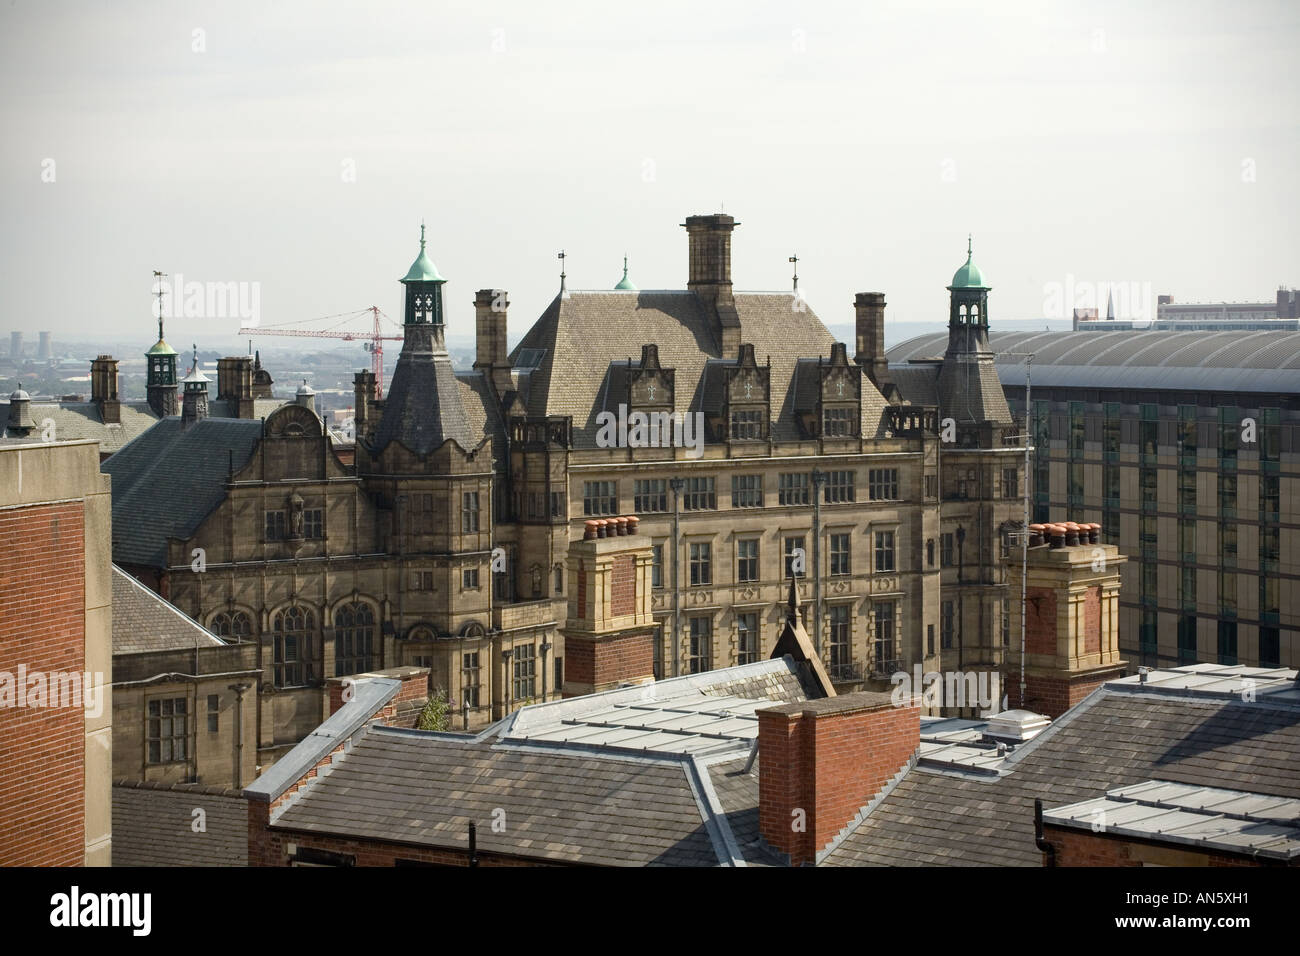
[(1016, 726)]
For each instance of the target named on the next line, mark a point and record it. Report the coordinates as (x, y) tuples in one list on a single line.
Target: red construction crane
[(374, 344)]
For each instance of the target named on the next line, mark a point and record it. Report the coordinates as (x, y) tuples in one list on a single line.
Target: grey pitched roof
[(616, 778), (581, 333), (143, 621), (81, 420), (424, 789), (424, 406), (1119, 736), (1191, 361), (169, 479), (153, 825), (917, 384)]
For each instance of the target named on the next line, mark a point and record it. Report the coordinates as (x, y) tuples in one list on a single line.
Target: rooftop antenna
[(561, 258), (160, 276), (794, 261)]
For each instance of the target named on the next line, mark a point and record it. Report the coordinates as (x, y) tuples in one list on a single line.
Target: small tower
[(969, 389), (305, 396), (423, 304), (625, 284), (195, 396), (20, 412), (160, 362)]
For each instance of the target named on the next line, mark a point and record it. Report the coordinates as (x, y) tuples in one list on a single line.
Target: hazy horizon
[(297, 147)]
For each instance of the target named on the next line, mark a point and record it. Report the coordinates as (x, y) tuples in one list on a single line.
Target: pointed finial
[(561, 257), (792, 603), (968, 246), (625, 265), (421, 234)]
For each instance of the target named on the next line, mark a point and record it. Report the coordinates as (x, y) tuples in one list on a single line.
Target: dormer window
[(837, 422), (747, 424)]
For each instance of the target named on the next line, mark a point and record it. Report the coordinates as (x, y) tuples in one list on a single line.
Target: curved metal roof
[(1190, 361)]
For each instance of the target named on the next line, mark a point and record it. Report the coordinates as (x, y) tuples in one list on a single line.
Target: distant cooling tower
[(43, 351), (15, 345)]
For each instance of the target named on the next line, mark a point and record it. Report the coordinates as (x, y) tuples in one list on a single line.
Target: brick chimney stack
[(821, 762), (491, 355), (1072, 614), (609, 637), (710, 276), (103, 388), (869, 311)]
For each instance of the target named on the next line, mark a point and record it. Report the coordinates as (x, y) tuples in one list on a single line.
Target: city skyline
[(301, 153)]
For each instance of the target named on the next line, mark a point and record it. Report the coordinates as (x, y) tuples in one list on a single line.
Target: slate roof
[(1122, 734), (169, 479), (74, 421), (153, 826), (617, 778), (581, 333), (424, 406), (1190, 361), (143, 621)]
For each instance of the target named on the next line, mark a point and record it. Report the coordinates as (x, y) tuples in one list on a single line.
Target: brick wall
[(591, 662), (1084, 848), (273, 851), (1040, 621), (1092, 620), (623, 586), (1053, 695), (42, 626), (827, 758)]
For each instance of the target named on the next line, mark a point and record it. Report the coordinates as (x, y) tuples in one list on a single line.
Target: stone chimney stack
[(1072, 615), (869, 309), (609, 637), (103, 388), (821, 762), (235, 383), (363, 395), (305, 396), (710, 276), (491, 354)]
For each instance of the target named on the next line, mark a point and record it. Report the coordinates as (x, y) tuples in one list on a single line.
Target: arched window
[(232, 625), (293, 629), (354, 639)]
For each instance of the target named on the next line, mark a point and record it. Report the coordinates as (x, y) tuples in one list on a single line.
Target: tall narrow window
[(884, 551), (469, 512), (650, 495), (746, 638), (701, 563), (700, 655), (840, 647), (886, 614), (292, 630), (167, 730), (840, 551), (525, 676), (354, 639), (747, 560)]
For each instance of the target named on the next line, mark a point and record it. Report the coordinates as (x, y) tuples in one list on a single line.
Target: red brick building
[(55, 656)]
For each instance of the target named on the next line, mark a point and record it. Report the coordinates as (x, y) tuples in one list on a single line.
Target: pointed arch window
[(232, 625), (292, 629), (354, 639)]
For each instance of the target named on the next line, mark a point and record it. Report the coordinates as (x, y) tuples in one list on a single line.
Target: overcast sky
[(297, 145)]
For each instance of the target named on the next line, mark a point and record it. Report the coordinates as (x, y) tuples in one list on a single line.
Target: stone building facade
[(751, 446)]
